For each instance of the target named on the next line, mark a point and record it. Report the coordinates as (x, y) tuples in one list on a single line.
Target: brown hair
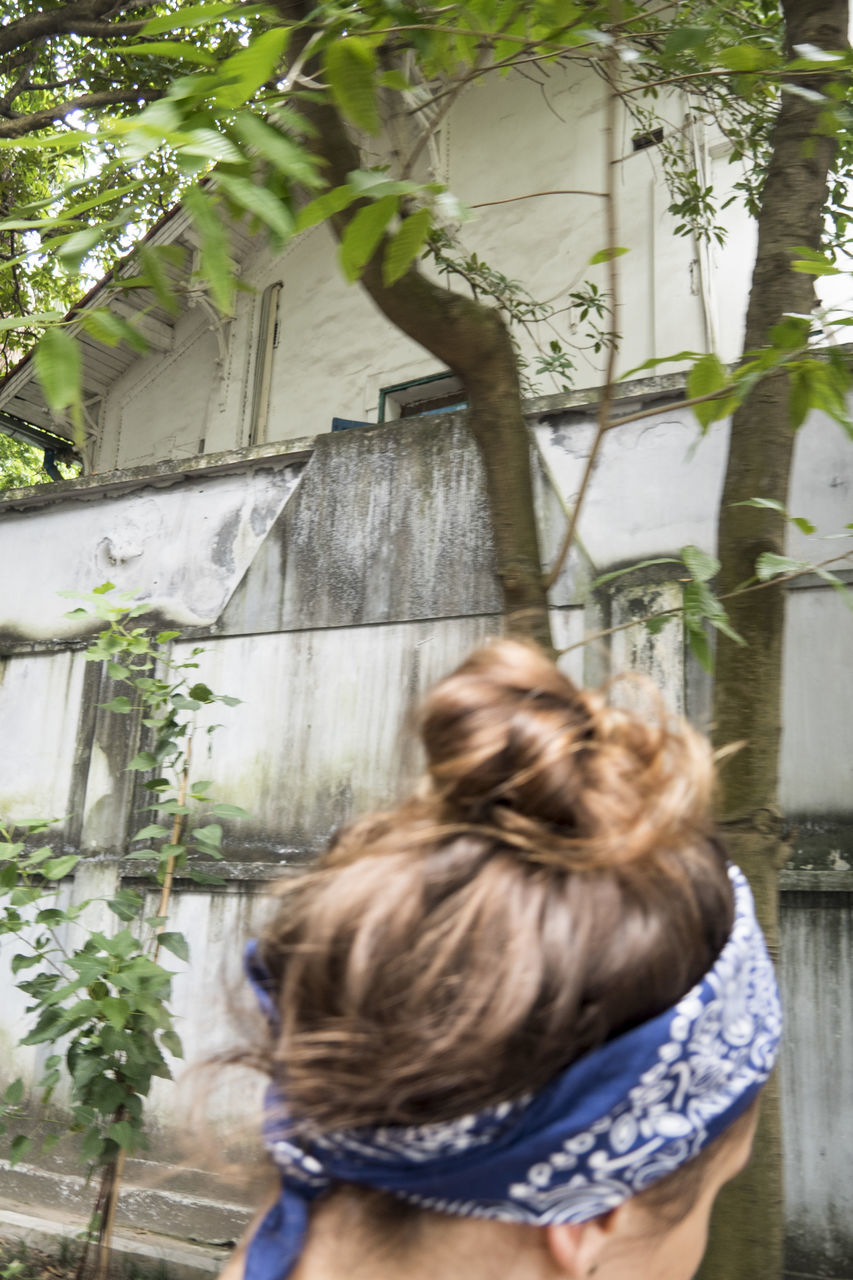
[(553, 881)]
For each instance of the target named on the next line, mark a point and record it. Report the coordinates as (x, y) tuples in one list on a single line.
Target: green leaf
[(363, 234), (72, 252), (375, 183), (64, 141), (791, 332), (204, 877), (208, 144), (58, 366), (184, 50), (708, 376), (686, 37), (241, 75), (18, 1148), (189, 16), (38, 856), (325, 206), (217, 266), (283, 153), (176, 943), (209, 835), (700, 647), (56, 868), (35, 320), (701, 565), (116, 1010), (14, 1093), (201, 693), (607, 255), (111, 329), (229, 811), (152, 259), (804, 525), (746, 57), (126, 904), (121, 705), (25, 961), (126, 1135), (152, 832), (813, 263), (395, 80), (351, 70), (163, 637), (144, 760), (170, 1041), (404, 247), (92, 1147), (769, 565)]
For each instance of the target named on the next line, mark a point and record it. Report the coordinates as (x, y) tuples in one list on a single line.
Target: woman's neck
[(441, 1248)]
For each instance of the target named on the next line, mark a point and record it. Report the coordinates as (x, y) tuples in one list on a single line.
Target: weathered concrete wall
[(817, 955), (328, 596)]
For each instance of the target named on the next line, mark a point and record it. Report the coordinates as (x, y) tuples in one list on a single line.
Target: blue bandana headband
[(612, 1124)]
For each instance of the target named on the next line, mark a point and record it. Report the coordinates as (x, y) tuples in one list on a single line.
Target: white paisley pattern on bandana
[(663, 1091)]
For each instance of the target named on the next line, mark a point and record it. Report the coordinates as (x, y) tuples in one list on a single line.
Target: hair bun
[(512, 742)]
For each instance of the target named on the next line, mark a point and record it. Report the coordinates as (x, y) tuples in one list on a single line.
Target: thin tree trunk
[(471, 340), (747, 1241)]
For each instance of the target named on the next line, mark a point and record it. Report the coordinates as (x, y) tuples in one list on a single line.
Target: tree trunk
[(747, 1241), (471, 340)]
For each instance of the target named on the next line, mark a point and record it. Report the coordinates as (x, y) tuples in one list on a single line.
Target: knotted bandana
[(610, 1125)]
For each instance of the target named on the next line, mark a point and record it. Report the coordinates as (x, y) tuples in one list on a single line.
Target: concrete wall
[(329, 594)]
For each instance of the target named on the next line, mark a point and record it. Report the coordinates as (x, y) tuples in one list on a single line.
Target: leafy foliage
[(103, 1005), (222, 89)]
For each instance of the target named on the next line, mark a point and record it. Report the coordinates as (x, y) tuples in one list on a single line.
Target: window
[(438, 393)]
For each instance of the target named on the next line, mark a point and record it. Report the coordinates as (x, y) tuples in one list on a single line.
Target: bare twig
[(722, 74), (677, 609), (433, 125), (612, 348), (534, 195), (668, 408)]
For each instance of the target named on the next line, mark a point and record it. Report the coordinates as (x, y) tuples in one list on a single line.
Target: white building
[(332, 576)]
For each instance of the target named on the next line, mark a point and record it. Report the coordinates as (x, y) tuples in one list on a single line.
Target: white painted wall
[(183, 548), (334, 351), (36, 763)]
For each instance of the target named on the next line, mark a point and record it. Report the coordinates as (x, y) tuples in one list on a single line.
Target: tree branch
[(22, 125), (471, 340), (20, 83), (85, 19)]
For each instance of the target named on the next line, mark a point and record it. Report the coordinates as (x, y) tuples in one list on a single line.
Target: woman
[(518, 1024)]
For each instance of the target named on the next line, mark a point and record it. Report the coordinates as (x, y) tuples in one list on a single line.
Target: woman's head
[(553, 882), (549, 892)]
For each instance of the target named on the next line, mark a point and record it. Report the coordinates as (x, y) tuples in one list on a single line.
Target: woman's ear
[(576, 1248)]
